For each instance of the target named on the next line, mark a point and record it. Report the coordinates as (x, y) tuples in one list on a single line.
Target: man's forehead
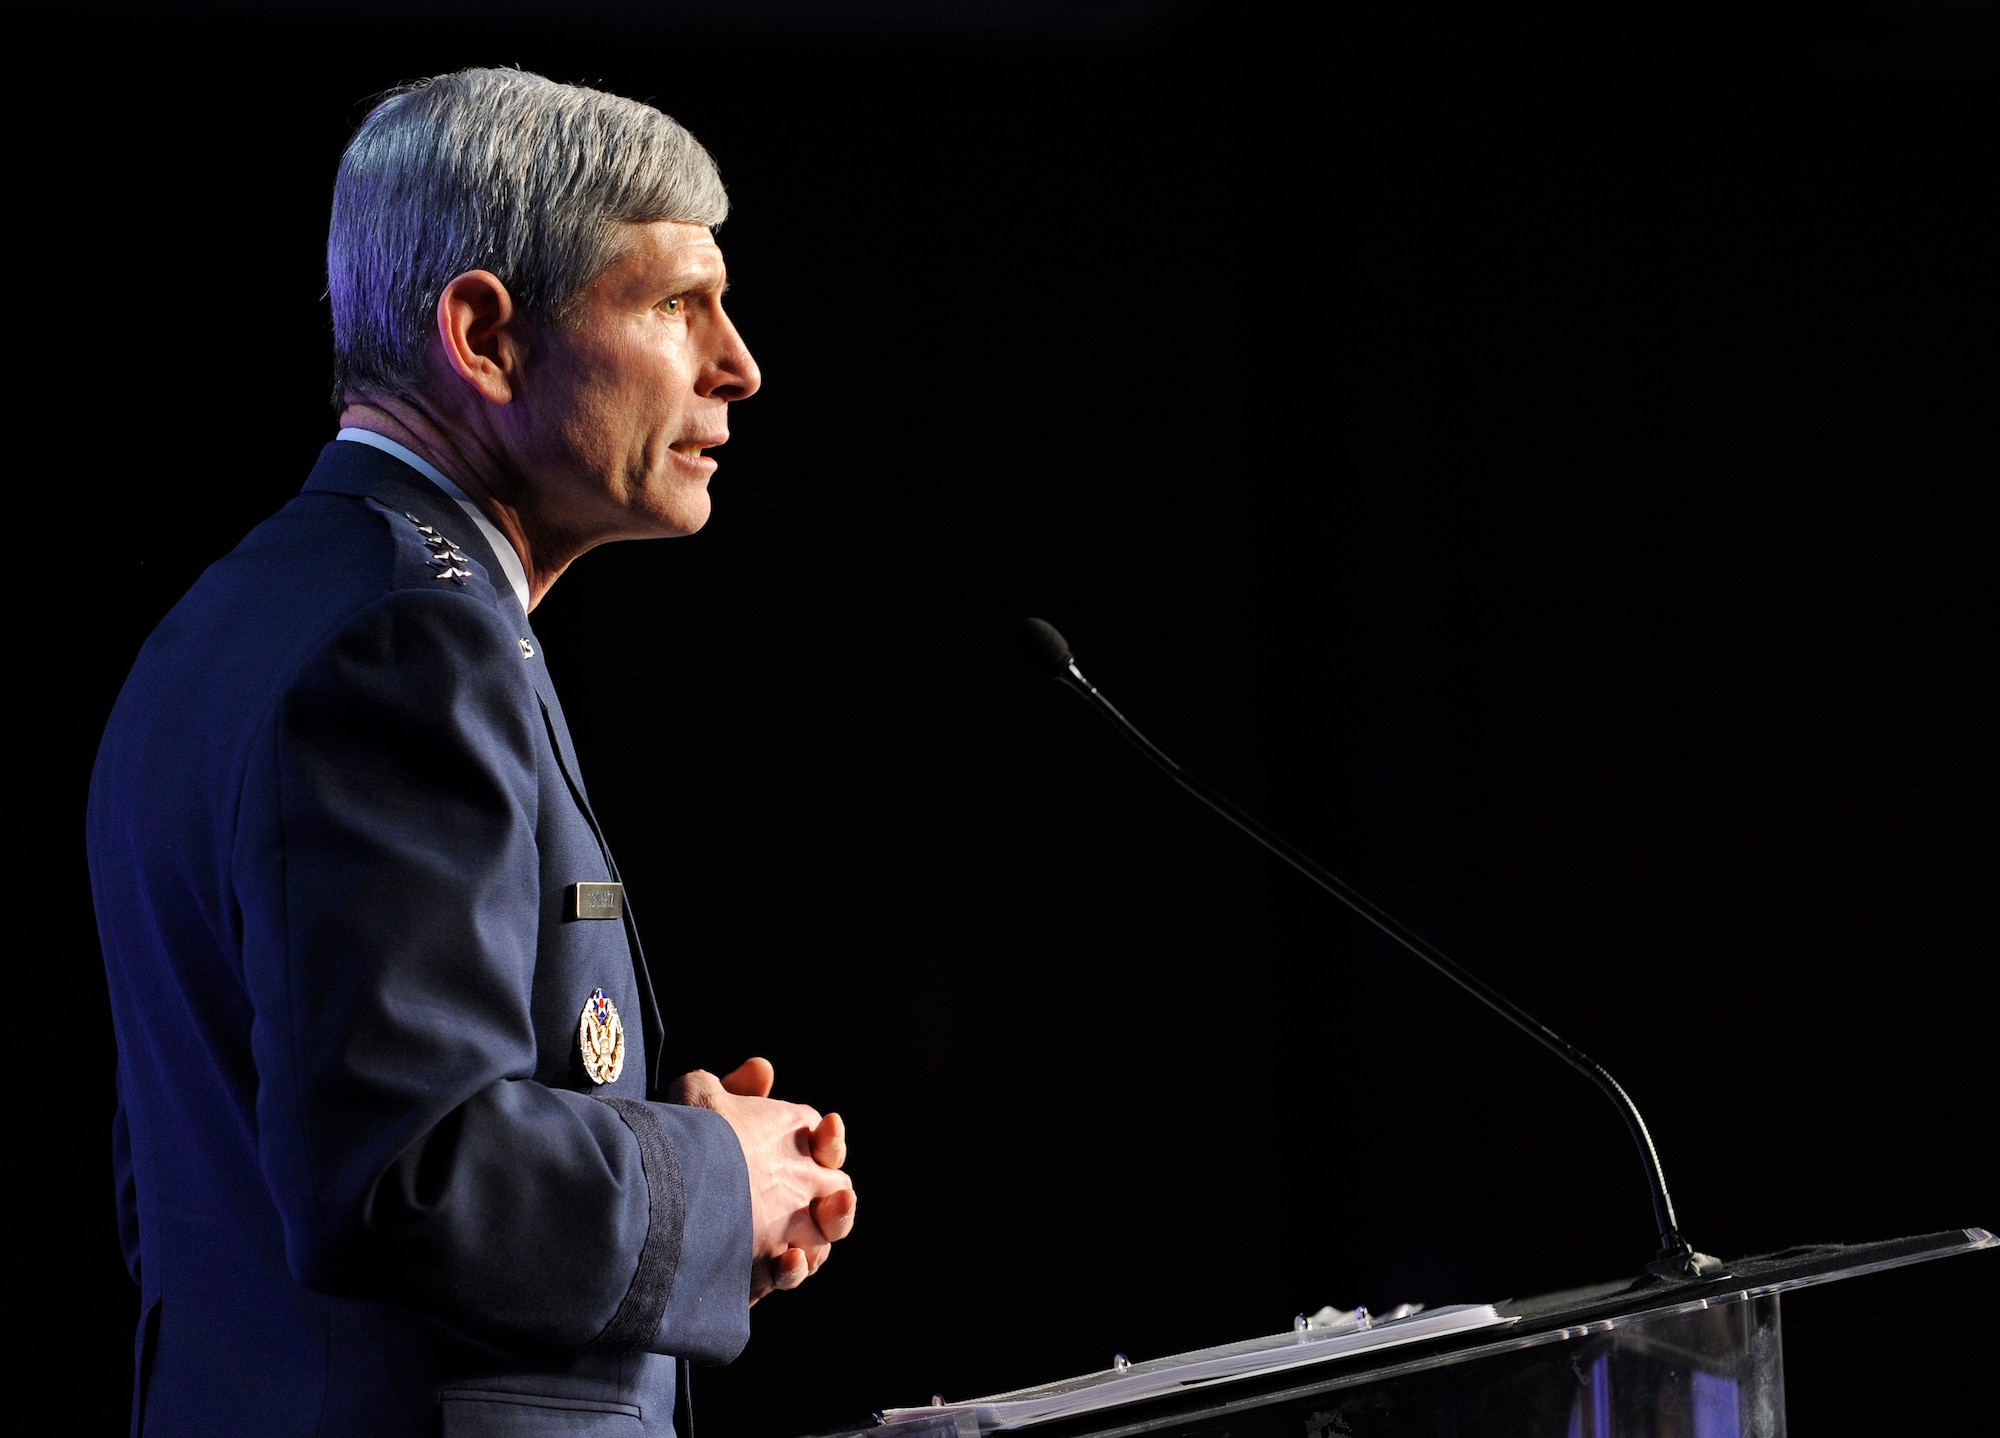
[(678, 246)]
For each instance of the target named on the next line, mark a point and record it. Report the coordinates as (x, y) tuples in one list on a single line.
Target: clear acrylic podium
[(1651, 1358)]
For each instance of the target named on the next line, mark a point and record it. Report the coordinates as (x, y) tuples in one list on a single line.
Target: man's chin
[(676, 521)]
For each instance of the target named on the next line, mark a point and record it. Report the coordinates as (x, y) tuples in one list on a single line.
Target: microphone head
[(1041, 648)]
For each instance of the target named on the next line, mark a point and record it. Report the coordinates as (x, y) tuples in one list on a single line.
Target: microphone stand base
[(1686, 1265)]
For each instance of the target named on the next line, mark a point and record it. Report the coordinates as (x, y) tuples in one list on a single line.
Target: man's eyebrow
[(701, 279)]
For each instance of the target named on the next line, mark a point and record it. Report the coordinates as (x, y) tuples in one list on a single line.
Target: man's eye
[(672, 306)]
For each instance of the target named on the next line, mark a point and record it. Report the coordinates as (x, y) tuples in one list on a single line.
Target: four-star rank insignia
[(445, 557), (602, 1038)]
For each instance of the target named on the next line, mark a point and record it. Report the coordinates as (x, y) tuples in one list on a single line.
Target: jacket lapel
[(559, 740)]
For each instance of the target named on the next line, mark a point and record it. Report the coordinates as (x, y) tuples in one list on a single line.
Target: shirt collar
[(510, 562)]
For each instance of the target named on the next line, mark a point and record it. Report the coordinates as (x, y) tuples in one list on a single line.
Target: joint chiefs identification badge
[(602, 1038)]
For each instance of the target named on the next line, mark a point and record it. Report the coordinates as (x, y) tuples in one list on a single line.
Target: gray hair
[(496, 170)]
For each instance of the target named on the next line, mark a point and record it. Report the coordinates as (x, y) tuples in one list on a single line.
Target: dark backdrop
[(1538, 465)]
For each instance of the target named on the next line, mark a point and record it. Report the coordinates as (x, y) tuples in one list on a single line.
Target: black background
[(1540, 464)]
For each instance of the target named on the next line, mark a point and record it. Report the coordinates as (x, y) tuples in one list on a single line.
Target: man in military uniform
[(393, 1152)]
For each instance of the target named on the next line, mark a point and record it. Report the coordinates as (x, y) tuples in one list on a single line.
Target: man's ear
[(482, 331)]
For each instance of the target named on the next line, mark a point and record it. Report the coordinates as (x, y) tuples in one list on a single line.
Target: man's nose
[(733, 373)]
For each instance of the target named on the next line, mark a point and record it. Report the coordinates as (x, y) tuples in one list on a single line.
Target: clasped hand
[(800, 1201)]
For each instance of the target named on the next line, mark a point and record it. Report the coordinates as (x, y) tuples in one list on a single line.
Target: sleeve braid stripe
[(633, 1326)]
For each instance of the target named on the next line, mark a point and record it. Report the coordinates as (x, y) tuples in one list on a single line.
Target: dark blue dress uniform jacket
[(367, 1186)]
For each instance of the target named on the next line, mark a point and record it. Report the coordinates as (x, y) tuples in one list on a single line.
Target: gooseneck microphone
[(1045, 651)]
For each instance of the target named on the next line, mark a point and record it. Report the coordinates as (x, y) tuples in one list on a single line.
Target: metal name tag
[(594, 901)]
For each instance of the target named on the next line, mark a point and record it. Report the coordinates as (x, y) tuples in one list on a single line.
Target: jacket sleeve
[(387, 877)]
